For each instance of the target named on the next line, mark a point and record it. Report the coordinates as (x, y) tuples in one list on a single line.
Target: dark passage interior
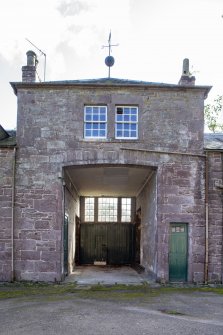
[(110, 216)]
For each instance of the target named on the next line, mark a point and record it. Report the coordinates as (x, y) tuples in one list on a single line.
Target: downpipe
[(13, 214), (206, 221)]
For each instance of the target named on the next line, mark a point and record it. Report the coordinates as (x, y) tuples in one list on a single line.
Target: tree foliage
[(212, 114)]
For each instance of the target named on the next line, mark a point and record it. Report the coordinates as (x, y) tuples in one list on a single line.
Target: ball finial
[(109, 61)]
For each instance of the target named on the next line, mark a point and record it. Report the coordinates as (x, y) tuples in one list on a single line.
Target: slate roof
[(213, 141), (3, 133), (104, 82), (7, 138)]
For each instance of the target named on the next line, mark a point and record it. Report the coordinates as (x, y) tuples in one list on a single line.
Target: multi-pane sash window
[(95, 122), (126, 122), (107, 209), (89, 209), (126, 210)]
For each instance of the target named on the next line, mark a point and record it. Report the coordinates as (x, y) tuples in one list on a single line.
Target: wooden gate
[(112, 243), (178, 252)]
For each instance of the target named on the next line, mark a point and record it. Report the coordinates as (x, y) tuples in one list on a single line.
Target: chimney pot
[(186, 79), (186, 71), (29, 71), (31, 58)]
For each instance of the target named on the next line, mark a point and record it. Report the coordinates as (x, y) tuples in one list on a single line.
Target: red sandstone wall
[(215, 199), (50, 137), (6, 183)]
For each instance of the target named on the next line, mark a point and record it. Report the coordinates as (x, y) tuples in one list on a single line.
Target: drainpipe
[(206, 221), (13, 214), (62, 230), (219, 185), (63, 185), (222, 218)]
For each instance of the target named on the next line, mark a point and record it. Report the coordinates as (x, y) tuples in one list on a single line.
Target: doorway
[(178, 249), (107, 232), (101, 202), (108, 243)]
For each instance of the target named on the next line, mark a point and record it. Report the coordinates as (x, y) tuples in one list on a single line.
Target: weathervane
[(109, 60)]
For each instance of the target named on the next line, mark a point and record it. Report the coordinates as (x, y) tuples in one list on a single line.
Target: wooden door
[(109, 242), (178, 246)]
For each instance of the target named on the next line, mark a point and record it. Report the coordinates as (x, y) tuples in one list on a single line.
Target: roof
[(7, 138), (105, 82), (213, 141), (3, 133)]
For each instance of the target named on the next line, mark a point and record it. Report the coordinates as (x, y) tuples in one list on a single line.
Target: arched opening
[(111, 215)]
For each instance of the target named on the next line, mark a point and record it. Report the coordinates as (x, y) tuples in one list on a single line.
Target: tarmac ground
[(101, 308)]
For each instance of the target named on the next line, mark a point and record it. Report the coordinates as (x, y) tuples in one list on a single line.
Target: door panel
[(178, 252), (120, 243), (100, 236), (87, 244), (110, 242)]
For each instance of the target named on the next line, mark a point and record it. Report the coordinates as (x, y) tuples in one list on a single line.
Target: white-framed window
[(126, 122), (95, 121), (126, 210), (107, 209), (89, 209)]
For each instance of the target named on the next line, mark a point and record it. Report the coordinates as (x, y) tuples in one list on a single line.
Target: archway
[(101, 203)]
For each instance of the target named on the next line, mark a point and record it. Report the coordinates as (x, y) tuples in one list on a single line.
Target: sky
[(153, 37)]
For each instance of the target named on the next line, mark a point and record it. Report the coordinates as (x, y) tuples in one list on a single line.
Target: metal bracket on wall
[(218, 184)]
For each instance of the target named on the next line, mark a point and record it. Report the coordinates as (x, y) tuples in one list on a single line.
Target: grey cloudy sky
[(154, 37)]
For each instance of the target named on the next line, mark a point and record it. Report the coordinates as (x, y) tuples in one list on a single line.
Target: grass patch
[(118, 291), (120, 287), (142, 292), (218, 290), (16, 290)]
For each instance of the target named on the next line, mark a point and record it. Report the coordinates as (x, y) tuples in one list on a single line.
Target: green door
[(178, 252)]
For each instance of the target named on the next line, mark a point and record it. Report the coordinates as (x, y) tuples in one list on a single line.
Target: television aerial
[(42, 53)]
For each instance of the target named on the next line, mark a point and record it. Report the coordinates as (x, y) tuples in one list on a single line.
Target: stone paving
[(90, 275)]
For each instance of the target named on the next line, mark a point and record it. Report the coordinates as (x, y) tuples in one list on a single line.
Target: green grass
[(16, 290), (113, 292)]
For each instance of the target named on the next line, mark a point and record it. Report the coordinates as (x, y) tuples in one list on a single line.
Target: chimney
[(186, 79), (29, 71)]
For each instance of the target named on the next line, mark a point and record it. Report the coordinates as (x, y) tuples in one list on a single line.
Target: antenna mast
[(43, 53)]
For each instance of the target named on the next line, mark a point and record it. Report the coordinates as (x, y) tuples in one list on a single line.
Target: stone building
[(110, 171)]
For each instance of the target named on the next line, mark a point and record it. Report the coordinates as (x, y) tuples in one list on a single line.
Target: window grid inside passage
[(95, 122), (107, 209), (89, 209), (126, 210), (126, 125)]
